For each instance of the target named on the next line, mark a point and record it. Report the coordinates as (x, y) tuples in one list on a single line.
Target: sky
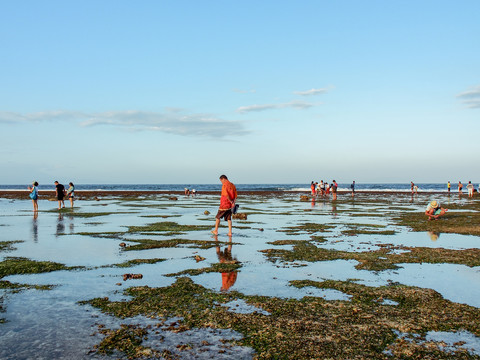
[(167, 92)]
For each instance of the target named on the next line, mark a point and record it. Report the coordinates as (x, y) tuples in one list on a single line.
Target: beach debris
[(304, 198), (174, 198), (97, 199), (241, 216), (122, 244), (207, 212), (132, 276), (199, 258), (118, 284), (260, 229)]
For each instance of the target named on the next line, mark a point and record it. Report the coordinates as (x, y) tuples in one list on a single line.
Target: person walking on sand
[(448, 187), (470, 188), (60, 194), (353, 188), (412, 185), (312, 188), (434, 210), (34, 195), (227, 202), (460, 186), (71, 193)]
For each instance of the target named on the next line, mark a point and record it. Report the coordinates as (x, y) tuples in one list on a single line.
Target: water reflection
[(334, 209), (71, 225), (433, 235), (60, 225), (35, 227), (225, 257)]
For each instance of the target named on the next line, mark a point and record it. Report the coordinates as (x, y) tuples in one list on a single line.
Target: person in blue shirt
[(34, 195)]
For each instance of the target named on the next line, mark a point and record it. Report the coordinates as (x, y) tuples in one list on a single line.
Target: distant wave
[(381, 187)]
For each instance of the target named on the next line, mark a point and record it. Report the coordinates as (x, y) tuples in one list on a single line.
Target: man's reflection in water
[(71, 225), (225, 257), (35, 226), (334, 209), (433, 235), (60, 225)]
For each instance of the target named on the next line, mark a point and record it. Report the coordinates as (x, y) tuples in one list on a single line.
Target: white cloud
[(471, 97), (173, 121), (311, 92), (291, 104), (244, 91), (58, 115)]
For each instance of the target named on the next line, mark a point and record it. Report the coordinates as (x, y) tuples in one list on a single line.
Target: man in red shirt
[(227, 202)]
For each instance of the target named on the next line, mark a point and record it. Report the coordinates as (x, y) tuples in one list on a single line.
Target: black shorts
[(60, 197), (225, 214)]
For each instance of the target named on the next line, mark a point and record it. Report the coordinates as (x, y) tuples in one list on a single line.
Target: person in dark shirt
[(60, 194), (353, 188)]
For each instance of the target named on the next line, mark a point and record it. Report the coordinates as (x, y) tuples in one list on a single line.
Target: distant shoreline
[(89, 194)]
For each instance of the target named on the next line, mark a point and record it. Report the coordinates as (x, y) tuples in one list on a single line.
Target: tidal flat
[(141, 277)]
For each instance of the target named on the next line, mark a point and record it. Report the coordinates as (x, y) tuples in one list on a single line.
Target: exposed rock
[(207, 212), (132, 276), (241, 216), (199, 258)]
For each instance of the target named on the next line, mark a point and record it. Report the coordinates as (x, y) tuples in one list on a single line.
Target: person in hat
[(434, 210)]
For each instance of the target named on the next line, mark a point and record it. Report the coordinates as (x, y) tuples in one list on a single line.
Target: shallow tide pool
[(52, 324)]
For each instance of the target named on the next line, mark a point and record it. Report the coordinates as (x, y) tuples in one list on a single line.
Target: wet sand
[(87, 194)]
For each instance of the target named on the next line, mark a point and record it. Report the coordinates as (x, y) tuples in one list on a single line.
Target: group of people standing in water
[(324, 188), (60, 194), (470, 188)]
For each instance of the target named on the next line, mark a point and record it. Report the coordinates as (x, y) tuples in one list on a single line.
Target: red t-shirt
[(228, 191)]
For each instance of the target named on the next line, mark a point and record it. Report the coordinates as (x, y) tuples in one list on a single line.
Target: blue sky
[(263, 91)]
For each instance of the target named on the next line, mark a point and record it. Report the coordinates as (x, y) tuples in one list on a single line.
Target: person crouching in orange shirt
[(227, 202)]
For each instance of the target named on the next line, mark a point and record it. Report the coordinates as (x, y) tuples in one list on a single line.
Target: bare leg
[(229, 228), (217, 223)]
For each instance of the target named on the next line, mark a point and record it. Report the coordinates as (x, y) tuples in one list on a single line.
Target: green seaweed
[(308, 228), (8, 245), (167, 227), (458, 222), (301, 329), (378, 260), (20, 265), (135, 262), (7, 285), (146, 244), (219, 268)]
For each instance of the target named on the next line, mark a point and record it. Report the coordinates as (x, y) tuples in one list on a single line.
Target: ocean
[(380, 187)]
